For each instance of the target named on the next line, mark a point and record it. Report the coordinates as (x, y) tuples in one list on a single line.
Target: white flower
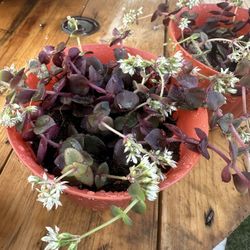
[(165, 158), (164, 109), (225, 82), (130, 17), (129, 65), (241, 51), (183, 24), (11, 115), (245, 136), (56, 240), (12, 69), (171, 65), (50, 190), (195, 71), (187, 3), (52, 238), (148, 176), (133, 148)]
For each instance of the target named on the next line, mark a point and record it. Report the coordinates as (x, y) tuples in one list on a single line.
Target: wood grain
[(189, 199), (23, 220), (29, 38)]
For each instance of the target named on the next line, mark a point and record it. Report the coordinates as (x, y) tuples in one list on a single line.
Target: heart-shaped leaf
[(136, 192), (72, 155), (100, 178), (126, 100), (43, 123)]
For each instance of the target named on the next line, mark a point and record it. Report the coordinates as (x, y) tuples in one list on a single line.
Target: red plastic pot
[(234, 103), (187, 121)]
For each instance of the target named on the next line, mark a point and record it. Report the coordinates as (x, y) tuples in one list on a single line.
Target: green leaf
[(116, 211), (72, 155), (102, 108), (108, 120), (119, 123), (83, 173), (100, 178), (42, 124), (94, 145), (127, 220), (136, 192), (73, 246), (71, 142), (140, 207)]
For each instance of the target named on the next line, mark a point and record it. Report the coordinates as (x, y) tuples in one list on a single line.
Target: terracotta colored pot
[(187, 121), (234, 103)]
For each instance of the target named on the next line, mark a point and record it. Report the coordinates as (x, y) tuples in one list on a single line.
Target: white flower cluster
[(129, 65), (13, 114), (130, 17), (133, 148), (165, 158), (187, 3), (241, 51), (164, 109), (148, 176), (50, 190), (171, 65), (225, 82), (245, 135), (183, 24), (56, 240)]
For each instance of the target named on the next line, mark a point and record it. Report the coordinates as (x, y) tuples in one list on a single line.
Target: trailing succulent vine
[(112, 126)]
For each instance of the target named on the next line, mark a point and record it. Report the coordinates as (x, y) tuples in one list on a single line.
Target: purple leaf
[(120, 53), (156, 139), (222, 5), (78, 84), (115, 85), (94, 76), (154, 16), (225, 174), (17, 78), (42, 149), (200, 133), (24, 96), (215, 100), (126, 100), (241, 184), (73, 53), (43, 57), (52, 132), (188, 81)]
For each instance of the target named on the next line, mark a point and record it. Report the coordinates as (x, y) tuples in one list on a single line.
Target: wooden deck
[(175, 221)]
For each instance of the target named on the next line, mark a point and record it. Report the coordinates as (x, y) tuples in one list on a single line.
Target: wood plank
[(110, 16), (193, 196), (23, 220), (29, 38), (14, 12)]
